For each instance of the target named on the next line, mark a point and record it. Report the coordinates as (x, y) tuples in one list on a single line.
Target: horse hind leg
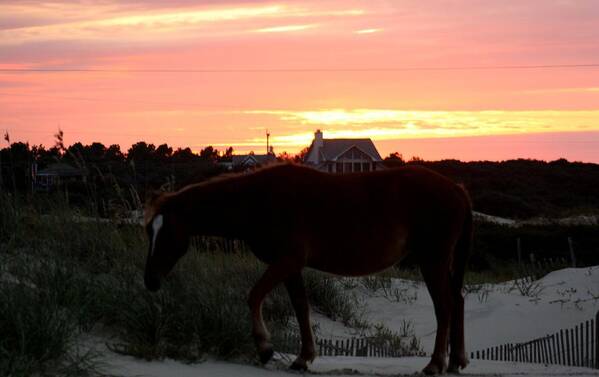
[(457, 354), (436, 277), (299, 300)]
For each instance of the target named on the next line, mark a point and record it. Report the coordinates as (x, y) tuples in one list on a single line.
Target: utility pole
[(1, 172), (267, 142)]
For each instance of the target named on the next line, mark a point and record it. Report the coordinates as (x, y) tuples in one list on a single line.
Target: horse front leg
[(299, 300), (274, 274)]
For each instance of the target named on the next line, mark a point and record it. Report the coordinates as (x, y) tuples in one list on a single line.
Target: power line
[(297, 70), (213, 109)]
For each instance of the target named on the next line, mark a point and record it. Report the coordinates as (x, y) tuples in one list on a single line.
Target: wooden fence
[(364, 347), (577, 346), (218, 244)]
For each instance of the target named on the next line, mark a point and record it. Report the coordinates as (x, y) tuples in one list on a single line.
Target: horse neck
[(221, 208)]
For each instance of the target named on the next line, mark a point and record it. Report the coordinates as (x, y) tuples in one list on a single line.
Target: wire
[(292, 70), (212, 109)]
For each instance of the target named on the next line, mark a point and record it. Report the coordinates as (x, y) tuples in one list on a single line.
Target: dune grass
[(62, 280)]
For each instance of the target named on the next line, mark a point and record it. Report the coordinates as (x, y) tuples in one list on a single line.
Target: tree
[(94, 153), (394, 159), (395, 156), (141, 151), (285, 157), (209, 153), (228, 155), (113, 154), (19, 158), (183, 155), (163, 153), (44, 157)]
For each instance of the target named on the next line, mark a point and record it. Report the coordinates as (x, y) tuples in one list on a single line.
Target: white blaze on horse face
[(156, 225)]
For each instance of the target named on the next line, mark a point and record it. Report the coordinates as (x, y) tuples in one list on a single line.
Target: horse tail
[(463, 246)]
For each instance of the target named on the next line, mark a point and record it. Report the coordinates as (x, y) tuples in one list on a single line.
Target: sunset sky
[(472, 80)]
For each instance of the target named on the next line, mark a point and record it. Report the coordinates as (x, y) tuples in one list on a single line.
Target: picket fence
[(577, 346), (364, 347)]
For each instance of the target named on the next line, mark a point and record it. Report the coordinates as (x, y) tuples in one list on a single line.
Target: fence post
[(587, 346), (597, 340), (576, 345), (519, 248), (572, 255)]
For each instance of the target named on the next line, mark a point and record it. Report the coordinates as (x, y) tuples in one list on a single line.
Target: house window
[(354, 160)]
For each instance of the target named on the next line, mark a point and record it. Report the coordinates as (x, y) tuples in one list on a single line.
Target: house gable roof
[(333, 148), (61, 170), (252, 159)]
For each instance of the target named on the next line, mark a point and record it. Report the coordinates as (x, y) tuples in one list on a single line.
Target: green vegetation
[(522, 188), (63, 280)]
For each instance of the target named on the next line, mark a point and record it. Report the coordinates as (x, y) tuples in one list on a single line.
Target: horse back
[(367, 220)]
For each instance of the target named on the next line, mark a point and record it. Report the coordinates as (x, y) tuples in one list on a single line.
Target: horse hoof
[(453, 369), (265, 354), (456, 364), (299, 366), (433, 369)]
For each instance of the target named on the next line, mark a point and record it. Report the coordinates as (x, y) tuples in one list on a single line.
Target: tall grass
[(63, 279), (201, 309), (43, 310)]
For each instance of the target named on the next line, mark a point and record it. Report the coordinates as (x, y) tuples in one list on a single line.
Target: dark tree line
[(522, 188), (516, 188), (111, 178)]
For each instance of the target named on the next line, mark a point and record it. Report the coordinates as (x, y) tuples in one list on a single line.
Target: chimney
[(318, 143)]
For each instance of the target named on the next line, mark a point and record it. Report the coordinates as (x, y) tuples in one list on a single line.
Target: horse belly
[(354, 256)]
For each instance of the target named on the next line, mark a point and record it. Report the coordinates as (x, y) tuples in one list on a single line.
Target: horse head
[(168, 242)]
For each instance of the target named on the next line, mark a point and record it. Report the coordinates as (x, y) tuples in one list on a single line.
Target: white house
[(342, 155)]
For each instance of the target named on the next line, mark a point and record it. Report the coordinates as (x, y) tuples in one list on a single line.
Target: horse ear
[(152, 198)]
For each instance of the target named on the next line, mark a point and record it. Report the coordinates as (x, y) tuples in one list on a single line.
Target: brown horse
[(356, 224)]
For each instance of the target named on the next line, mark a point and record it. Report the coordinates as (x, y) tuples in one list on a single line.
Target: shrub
[(327, 297), (42, 313), (404, 342)]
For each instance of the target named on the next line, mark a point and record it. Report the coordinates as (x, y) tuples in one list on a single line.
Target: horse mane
[(158, 198)]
